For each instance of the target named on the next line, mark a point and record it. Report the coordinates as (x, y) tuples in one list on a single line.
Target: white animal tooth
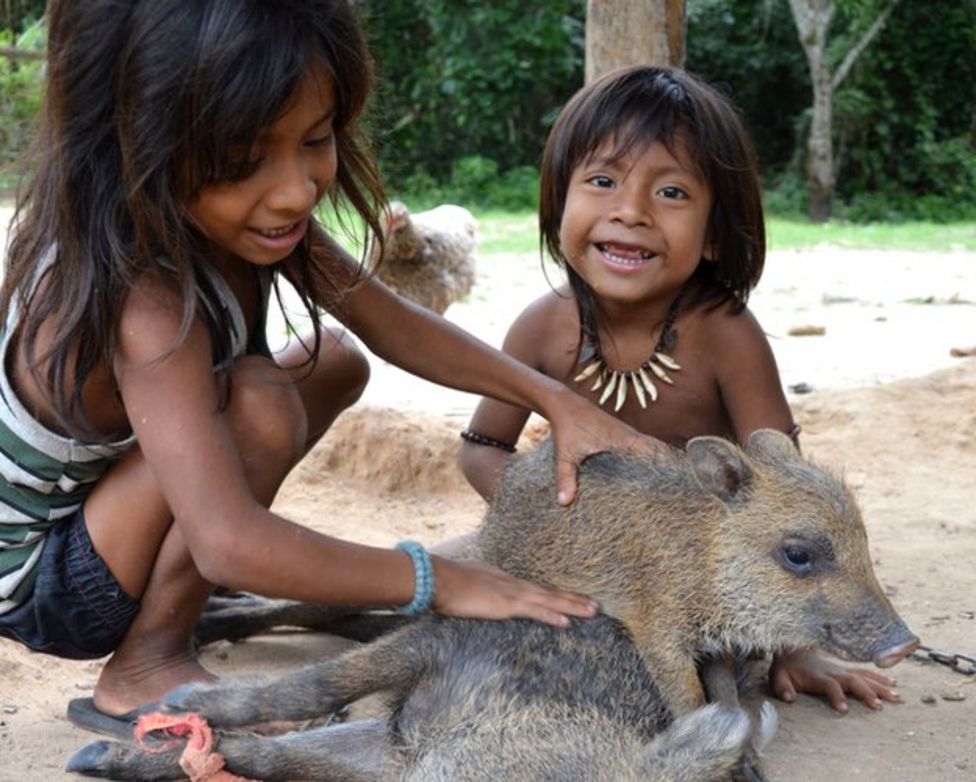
[(648, 384), (598, 383), (609, 388), (587, 371), (639, 390), (621, 392), (669, 362), (660, 372)]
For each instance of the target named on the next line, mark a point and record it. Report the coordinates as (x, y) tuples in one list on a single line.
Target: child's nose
[(631, 209), (294, 188)]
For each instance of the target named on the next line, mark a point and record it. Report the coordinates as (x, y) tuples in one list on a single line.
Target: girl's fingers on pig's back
[(477, 590)]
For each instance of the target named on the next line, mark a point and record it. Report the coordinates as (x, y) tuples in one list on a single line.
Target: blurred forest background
[(467, 90)]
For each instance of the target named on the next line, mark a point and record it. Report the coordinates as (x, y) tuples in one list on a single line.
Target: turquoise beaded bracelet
[(423, 572)]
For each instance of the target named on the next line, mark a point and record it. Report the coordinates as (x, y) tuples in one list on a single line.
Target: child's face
[(635, 228), (261, 218)]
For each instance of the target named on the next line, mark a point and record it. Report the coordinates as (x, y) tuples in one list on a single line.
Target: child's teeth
[(273, 232)]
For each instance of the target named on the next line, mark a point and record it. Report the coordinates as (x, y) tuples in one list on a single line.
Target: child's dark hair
[(146, 103), (631, 108)]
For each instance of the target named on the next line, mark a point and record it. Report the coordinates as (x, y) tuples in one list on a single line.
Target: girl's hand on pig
[(807, 671), (480, 591), (581, 429)]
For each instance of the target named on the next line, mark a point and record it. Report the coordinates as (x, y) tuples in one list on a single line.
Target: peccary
[(725, 549), (428, 257), (691, 554)]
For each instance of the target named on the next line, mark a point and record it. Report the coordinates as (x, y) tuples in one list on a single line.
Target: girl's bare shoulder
[(546, 332), (726, 326)]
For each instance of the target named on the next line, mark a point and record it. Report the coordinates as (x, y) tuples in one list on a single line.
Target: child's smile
[(634, 226), (625, 255)]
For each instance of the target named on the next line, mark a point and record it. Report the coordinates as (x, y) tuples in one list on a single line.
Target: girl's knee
[(266, 412), (347, 370)]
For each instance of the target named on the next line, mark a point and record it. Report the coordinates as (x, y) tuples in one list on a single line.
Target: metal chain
[(960, 663)]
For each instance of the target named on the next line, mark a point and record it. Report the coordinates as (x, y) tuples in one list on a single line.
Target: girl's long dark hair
[(146, 103), (631, 108)]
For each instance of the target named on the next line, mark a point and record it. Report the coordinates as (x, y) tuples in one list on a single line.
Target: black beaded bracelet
[(482, 439)]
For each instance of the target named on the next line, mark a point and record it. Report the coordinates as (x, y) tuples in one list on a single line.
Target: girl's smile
[(625, 256), (282, 238)]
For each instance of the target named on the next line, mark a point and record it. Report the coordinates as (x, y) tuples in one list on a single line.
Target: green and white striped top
[(44, 476)]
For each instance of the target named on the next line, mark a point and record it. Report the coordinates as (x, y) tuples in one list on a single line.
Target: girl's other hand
[(807, 671), (480, 591), (581, 429)]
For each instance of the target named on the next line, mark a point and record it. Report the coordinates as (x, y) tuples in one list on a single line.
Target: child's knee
[(266, 411)]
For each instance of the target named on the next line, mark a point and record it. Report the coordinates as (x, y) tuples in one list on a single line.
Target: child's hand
[(476, 590), (581, 429), (804, 670)]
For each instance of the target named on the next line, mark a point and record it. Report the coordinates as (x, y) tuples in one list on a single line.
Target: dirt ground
[(886, 405)]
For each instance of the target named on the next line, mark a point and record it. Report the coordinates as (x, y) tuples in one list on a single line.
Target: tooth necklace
[(616, 382)]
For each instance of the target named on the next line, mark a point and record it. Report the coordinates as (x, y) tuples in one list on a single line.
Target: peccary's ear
[(772, 445), (719, 467)]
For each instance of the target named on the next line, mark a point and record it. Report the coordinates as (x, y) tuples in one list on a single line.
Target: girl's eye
[(321, 141), (672, 192), (600, 181)]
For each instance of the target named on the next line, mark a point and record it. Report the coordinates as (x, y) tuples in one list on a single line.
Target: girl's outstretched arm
[(427, 345), (170, 397)]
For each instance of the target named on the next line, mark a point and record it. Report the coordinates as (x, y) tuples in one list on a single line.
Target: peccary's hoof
[(748, 770), (89, 759), (338, 717)]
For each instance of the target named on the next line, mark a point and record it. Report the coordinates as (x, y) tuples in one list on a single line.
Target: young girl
[(182, 151), (651, 203)]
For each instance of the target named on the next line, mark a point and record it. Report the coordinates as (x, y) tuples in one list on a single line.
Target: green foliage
[(905, 120), (903, 127), (467, 85), (20, 95)]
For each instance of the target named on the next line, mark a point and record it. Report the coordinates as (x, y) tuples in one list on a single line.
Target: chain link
[(960, 663)]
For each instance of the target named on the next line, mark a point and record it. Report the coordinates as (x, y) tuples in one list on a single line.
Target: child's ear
[(710, 251)]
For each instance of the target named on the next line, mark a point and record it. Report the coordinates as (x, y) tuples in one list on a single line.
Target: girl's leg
[(131, 527), (338, 380)]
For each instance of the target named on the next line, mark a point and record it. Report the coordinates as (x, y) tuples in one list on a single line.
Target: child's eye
[(600, 181), (321, 141), (672, 192)]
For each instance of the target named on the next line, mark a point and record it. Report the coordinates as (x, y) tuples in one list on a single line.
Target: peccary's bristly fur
[(691, 553)]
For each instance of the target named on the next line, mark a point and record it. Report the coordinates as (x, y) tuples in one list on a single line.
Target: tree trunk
[(633, 32), (812, 18)]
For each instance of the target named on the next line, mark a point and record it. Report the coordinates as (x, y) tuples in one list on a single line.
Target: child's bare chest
[(689, 406)]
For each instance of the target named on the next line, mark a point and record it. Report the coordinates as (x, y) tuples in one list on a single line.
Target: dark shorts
[(77, 610)]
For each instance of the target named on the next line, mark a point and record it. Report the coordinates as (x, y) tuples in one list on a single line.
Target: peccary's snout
[(898, 643), (873, 631)]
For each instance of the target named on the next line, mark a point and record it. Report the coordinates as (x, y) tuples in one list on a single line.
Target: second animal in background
[(428, 257)]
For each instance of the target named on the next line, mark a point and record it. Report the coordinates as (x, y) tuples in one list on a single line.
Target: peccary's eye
[(797, 558)]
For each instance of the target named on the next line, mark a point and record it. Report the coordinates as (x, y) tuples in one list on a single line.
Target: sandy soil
[(887, 406)]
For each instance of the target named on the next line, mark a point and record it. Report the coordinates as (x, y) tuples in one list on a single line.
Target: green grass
[(517, 232), (794, 232)]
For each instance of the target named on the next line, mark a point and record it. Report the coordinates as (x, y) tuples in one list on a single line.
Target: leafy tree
[(466, 78)]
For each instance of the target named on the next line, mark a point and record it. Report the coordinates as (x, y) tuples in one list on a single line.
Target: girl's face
[(261, 218), (635, 228)]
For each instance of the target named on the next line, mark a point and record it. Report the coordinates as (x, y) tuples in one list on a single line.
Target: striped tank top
[(44, 476)]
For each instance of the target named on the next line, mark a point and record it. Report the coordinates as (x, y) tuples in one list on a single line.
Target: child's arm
[(539, 330), (170, 397), (753, 395), (427, 345)]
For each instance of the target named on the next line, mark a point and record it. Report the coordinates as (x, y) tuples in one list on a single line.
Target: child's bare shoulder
[(546, 331), (726, 325)]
